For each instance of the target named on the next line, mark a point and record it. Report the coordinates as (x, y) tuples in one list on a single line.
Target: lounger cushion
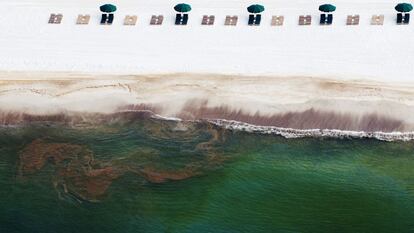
[(399, 18), (110, 18), (251, 19), (323, 19), (178, 19), (330, 19), (185, 19), (103, 19), (258, 19), (407, 18)]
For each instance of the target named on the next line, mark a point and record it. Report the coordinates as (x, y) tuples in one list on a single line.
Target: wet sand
[(290, 102)]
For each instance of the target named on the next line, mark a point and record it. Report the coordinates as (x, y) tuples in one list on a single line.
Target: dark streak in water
[(78, 173)]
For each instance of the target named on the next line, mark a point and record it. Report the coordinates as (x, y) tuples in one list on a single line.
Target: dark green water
[(212, 181)]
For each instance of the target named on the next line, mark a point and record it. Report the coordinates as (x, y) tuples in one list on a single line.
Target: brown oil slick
[(310, 118), (155, 175), (307, 119), (78, 173)]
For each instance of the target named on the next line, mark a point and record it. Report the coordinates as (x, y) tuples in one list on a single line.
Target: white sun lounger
[(130, 20), (377, 20), (208, 20), (83, 19), (156, 19), (231, 20), (305, 20), (55, 18), (352, 20), (277, 20)]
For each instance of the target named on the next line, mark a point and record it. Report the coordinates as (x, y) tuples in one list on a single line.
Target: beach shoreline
[(300, 103)]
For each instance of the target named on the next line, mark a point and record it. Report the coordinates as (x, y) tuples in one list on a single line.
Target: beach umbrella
[(182, 7), (327, 8), (255, 9), (404, 7), (108, 8)]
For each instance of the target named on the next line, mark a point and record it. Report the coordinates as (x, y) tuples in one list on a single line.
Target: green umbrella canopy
[(182, 7), (327, 8), (404, 7), (108, 8), (255, 9)]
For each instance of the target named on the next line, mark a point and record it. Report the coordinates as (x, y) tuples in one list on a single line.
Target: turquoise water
[(165, 177)]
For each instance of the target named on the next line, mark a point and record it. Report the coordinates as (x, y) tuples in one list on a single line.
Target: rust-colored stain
[(76, 169), (77, 172)]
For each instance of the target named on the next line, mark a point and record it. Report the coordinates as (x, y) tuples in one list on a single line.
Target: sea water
[(150, 175)]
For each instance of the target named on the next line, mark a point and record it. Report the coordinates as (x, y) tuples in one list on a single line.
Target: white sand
[(357, 70), (382, 53)]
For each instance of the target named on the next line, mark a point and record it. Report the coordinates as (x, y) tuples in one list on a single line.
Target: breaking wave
[(13, 120), (302, 133)]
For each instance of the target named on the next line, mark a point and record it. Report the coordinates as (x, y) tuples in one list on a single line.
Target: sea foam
[(300, 133)]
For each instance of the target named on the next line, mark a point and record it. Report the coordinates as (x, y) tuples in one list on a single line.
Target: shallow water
[(148, 175)]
